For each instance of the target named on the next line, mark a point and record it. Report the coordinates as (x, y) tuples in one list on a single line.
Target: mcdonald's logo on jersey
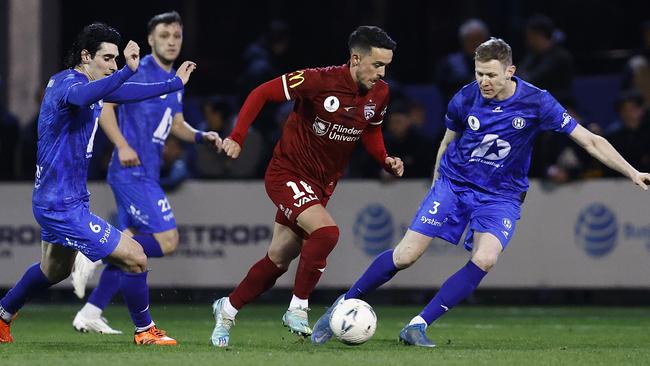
[(295, 78)]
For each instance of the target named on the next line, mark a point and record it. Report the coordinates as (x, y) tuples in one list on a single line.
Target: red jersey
[(329, 117)]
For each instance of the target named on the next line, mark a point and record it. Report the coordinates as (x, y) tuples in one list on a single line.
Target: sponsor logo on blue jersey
[(373, 229), (596, 230)]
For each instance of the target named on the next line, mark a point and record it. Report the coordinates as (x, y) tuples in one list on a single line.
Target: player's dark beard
[(362, 88)]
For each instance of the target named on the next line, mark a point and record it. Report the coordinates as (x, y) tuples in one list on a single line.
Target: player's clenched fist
[(185, 70), (132, 55), (231, 148), (396, 165)]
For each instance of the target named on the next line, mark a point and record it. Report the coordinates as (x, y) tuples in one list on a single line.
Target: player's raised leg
[(455, 289), (89, 318), (130, 258), (380, 271), (285, 246), (55, 265)]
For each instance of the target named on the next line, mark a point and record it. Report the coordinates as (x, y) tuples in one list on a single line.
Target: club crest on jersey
[(507, 223), (473, 123), (320, 127), (369, 110), (331, 104), (518, 123)]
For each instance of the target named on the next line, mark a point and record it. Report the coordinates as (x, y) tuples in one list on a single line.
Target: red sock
[(260, 277), (313, 259)]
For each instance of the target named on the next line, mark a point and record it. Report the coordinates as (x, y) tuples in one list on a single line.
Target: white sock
[(297, 302), (230, 310), (143, 329), (419, 320), (5, 315), (91, 311)]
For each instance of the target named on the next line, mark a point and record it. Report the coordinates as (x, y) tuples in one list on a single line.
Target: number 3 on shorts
[(434, 210)]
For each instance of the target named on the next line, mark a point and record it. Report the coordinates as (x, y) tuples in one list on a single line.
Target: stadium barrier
[(594, 234)]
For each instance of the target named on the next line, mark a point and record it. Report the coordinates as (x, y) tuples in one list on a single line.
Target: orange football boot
[(5, 331), (154, 335)]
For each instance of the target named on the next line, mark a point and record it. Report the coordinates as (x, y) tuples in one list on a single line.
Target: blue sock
[(150, 245), (136, 295), (457, 287), (381, 270), (107, 287), (31, 284)]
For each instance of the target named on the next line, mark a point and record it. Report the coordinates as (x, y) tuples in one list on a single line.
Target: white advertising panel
[(588, 235)]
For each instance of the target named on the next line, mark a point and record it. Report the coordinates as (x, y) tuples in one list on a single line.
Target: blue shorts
[(449, 208), (78, 229), (143, 207)]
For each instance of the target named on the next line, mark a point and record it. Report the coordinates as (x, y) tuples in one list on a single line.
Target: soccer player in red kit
[(334, 108)]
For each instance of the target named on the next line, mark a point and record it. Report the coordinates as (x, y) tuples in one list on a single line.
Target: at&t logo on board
[(596, 230), (373, 229)]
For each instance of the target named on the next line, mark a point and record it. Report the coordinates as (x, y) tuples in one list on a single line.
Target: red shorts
[(292, 195)]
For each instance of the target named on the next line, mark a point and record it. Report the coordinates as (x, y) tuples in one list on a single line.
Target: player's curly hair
[(90, 39), (494, 49), (367, 36), (165, 18)]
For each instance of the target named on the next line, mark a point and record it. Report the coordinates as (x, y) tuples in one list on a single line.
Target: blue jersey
[(67, 124), (496, 137), (145, 126)]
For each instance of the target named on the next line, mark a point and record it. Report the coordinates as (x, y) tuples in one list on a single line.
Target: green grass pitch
[(468, 335)]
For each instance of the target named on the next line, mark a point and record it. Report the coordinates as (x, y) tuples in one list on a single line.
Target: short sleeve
[(301, 84), (554, 117), (453, 118)]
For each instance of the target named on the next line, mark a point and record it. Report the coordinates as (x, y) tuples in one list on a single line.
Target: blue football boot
[(322, 331), (415, 335)]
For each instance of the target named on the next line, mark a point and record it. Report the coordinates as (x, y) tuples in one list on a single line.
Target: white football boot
[(82, 271)]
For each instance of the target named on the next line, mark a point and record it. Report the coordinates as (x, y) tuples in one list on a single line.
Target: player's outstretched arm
[(601, 149), (184, 131), (271, 91), (87, 94), (450, 136), (131, 92), (108, 121)]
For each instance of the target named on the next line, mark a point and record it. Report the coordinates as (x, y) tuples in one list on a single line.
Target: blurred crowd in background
[(616, 106)]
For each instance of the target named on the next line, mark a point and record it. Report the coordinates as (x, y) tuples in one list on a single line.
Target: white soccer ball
[(353, 321)]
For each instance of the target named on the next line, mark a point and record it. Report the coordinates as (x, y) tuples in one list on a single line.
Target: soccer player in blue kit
[(480, 180), (67, 124), (134, 171)]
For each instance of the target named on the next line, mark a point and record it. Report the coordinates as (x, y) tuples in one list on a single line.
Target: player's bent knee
[(56, 272), (485, 261), (404, 256), (281, 258), (168, 242), (403, 260), (136, 262), (320, 244)]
